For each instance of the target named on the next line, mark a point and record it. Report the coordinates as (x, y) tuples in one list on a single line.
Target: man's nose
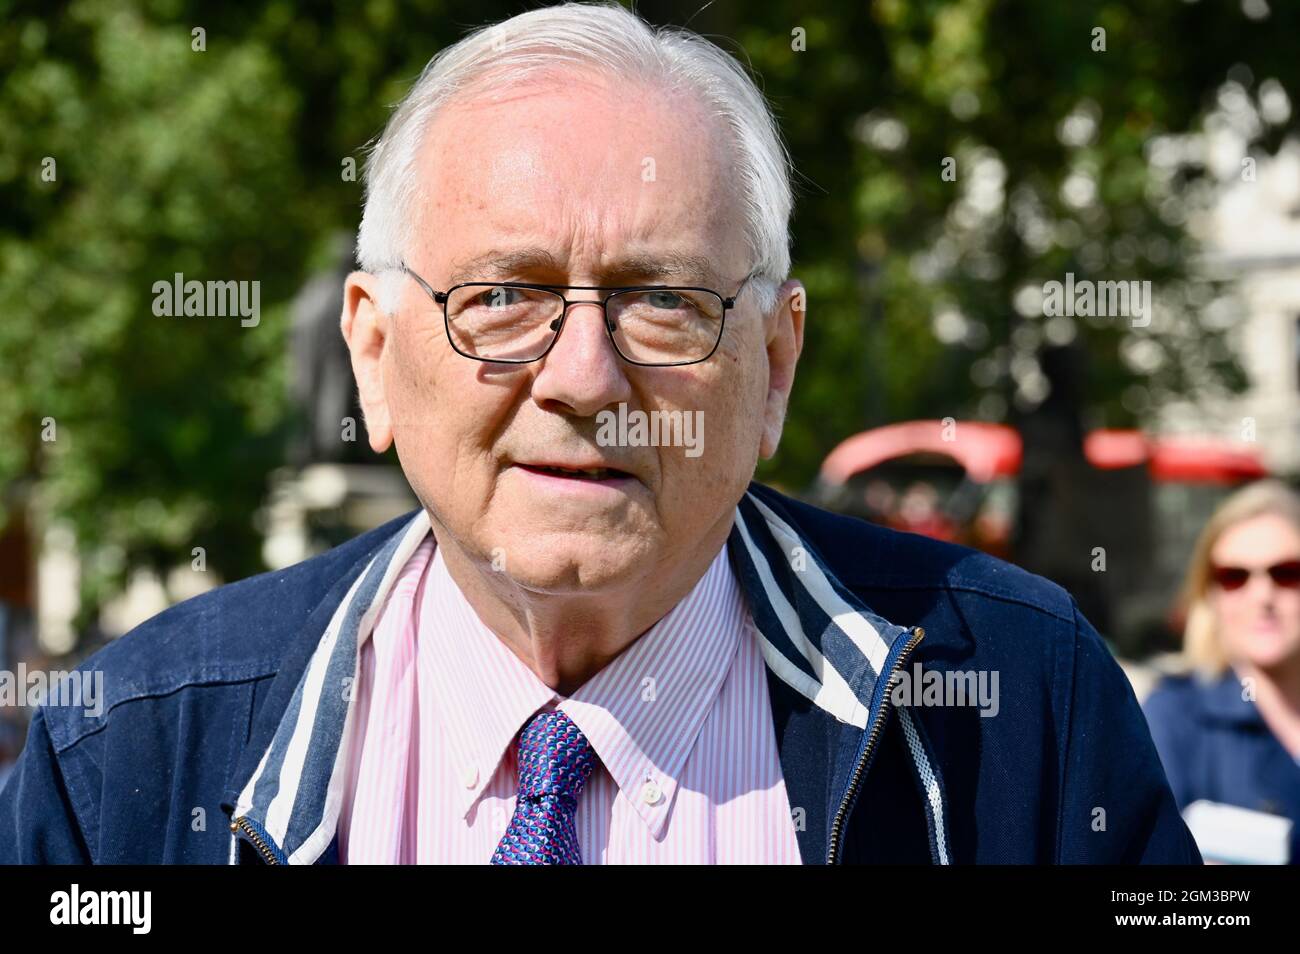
[(582, 371)]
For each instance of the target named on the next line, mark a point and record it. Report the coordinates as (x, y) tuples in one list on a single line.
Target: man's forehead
[(646, 265), (576, 142), (532, 202)]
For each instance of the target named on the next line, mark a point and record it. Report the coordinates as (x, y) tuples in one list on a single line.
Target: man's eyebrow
[(657, 268), (498, 262), (670, 266)]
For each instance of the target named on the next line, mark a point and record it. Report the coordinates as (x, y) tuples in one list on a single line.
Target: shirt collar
[(482, 692), (642, 713)]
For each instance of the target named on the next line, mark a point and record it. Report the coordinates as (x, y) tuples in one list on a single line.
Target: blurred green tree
[(914, 278)]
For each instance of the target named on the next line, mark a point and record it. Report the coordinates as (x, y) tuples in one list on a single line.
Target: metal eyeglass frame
[(441, 298)]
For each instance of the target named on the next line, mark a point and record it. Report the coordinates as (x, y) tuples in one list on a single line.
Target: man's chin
[(586, 560)]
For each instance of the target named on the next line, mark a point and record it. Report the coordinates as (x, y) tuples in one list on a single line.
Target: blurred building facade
[(1252, 238)]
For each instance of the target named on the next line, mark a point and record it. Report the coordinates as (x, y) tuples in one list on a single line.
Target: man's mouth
[(577, 473)]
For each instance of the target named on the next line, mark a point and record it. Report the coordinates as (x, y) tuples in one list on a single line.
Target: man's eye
[(665, 299), (498, 297)]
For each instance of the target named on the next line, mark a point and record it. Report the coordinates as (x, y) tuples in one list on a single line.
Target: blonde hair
[(1202, 641)]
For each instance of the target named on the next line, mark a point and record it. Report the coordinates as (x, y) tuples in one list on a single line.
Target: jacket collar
[(817, 638), (823, 643)]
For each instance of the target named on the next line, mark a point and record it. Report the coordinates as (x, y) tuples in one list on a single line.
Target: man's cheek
[(413, 377)]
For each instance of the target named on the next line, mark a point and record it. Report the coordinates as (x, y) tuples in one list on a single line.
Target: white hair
[(618, 42)]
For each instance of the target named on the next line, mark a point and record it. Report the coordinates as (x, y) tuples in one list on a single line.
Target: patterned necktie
[(555, 761)]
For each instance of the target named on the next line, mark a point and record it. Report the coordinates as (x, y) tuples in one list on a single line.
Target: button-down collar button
[(469, 775), (650, 793)]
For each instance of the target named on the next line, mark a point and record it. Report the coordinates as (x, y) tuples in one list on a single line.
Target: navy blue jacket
[(219, 737), (1215, 745)]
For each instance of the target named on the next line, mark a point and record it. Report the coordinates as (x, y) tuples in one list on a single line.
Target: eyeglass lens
[(1285, 574), (652, 326)]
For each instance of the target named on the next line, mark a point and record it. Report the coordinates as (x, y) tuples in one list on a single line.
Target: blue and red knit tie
[(555, 761)]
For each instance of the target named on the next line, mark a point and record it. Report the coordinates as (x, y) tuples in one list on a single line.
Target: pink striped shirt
[(681, 722)]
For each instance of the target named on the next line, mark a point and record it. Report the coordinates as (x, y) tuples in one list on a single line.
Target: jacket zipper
[(240, 824), (833, 847)]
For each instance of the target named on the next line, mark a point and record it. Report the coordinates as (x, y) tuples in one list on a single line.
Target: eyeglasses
[(1285, 574), (519, 322)]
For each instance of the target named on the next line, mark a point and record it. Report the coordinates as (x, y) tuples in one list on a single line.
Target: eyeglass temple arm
[(439, 296), (731, 302)]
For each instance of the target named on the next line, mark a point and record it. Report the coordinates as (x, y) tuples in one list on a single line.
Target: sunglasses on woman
[(1285, 574)]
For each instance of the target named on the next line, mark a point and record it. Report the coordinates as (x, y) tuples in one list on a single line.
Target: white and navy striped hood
[(817, 638)]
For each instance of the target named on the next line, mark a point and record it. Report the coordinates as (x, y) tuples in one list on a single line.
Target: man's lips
[(576, 471)]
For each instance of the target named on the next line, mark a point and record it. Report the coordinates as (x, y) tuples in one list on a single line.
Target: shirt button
[(650, 793), (468, 776)]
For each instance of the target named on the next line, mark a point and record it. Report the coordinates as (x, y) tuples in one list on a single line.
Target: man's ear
[(365, 329), (784, 329)]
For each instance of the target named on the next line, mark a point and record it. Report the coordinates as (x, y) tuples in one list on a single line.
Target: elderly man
[(597, 641)]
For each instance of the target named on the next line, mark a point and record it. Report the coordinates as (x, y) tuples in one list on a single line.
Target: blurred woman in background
[(1230, 731)]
